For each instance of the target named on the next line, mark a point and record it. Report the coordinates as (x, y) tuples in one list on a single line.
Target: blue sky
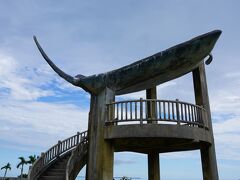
[(37, 108)]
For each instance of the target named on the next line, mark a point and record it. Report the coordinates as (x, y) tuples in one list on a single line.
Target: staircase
[(60, 159), (57, 171)]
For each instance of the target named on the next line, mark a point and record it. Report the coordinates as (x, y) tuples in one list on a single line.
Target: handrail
[(56, 151), (155, 110), (78, 157)]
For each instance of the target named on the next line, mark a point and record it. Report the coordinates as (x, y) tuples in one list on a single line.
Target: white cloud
[(19, 86), (118, 161), (27, 122), (228, 126), (40, 124), (142, 94), (181, 155), (223, 166), (227, 138), (232, 75), (225, 107), (226, 100)]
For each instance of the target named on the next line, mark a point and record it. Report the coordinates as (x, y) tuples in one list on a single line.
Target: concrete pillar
[(151, 94), (153, 166), (101, 152), (153, 157), (208, 154)]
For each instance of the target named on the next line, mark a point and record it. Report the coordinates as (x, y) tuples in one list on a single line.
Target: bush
[(24, 176), (125, 178)]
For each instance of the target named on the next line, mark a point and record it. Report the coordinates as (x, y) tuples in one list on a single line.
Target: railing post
[(42, 154), (177, 112), (112, 112), (155, 110), (85, 136), (141, 111), (43, 158), (59, 148), (201, 119), (78, 133)]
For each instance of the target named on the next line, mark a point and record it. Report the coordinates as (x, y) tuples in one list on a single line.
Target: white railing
[(158, 111), (56, 151)]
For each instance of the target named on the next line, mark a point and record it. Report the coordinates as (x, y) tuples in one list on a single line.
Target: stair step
[(54, 169), (55, 173), (64, 162), (52, 178), (59, 166)]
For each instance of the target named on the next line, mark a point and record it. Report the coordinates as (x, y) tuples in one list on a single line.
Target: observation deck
[(156, 125)]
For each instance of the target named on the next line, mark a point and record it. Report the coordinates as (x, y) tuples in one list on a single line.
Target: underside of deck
[(156, 137)]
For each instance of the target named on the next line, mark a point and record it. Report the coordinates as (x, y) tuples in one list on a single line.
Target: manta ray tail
[(70, 79)]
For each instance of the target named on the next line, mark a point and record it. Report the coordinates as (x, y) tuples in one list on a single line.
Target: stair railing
[(77, 160), (56, 151)]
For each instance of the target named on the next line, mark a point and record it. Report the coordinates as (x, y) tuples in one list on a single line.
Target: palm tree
[(32, 159), (8, 166), (21, 163)]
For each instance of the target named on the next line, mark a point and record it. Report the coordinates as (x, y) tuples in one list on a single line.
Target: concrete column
[(153, 166), (208, 154), (151, 94), (101, 152), (153, 157)]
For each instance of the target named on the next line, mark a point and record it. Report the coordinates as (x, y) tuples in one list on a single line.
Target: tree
[(21, 164), (31, 160), (6, 167)]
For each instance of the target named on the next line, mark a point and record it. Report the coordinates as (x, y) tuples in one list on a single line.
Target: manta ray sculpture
[(151, 71)]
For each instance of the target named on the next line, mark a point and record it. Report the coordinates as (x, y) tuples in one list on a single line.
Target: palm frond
[(32, 159), (7, 166), (19, 164), (22, 161)]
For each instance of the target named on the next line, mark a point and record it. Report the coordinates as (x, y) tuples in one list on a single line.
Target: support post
[(59, 149), (177, 112), (153, 157), (100, 152), (208, 154), (153, 166)]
